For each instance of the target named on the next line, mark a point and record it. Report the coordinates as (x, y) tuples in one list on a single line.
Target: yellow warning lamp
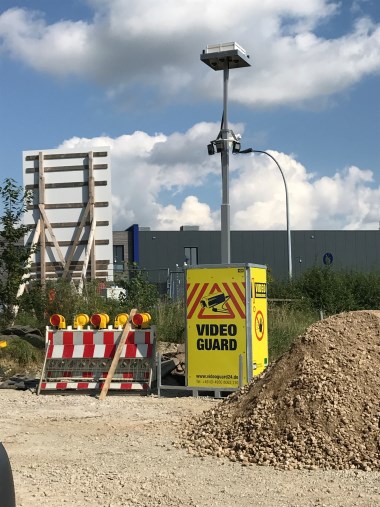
[(3, 344), (100, 320), (120, 320), (141, 319), (58, 321), (81, 320)]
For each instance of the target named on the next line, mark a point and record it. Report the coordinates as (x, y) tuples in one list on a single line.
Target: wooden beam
[(41, 201), (57, 169), (116, 357), (69, 205), (60, 225), (24, 279), (60, 156), (87, 256), (71, 184), (52, 235), (77, 235), (91, 198)]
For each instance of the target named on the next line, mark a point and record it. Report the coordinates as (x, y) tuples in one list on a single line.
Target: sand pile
[(316, 407)]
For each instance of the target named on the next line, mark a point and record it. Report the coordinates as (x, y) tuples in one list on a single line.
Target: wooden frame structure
[(70, 214)]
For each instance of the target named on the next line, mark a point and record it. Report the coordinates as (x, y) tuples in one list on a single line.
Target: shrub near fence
[(286, 321), (315, 290)]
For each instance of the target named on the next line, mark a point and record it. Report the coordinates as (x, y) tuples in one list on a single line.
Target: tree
[(13, 253), (140, 293)]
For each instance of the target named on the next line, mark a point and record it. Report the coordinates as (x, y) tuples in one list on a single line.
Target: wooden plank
[(71, 184), (41, 200), (81, 242), (78, 232), (63, 205), (91, 198), (116, 357), (52, 169), (52, 236), (60, 156), (100, 264), (62, 225), (25, 277), (87, 256)]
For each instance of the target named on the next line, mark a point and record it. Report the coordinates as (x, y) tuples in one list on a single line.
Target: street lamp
[(225, 57), (236, 149)]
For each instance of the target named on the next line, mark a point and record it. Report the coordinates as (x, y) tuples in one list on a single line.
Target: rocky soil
[(312, 419), (316, 407), (76, 451)]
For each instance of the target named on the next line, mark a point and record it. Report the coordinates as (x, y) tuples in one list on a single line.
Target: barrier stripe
[(90, 375), (94, 337), (79, 359), (93, 385), (129, 351)]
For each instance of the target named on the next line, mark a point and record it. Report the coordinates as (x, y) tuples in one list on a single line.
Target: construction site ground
[(75, 450)]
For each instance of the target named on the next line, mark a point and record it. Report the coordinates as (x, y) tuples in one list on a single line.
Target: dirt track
[(77, 451)]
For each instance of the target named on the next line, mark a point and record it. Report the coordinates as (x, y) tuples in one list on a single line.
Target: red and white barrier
[(80, 359)]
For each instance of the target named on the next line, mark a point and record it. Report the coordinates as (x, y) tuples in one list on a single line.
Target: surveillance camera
[(211, 149), (214, 300), (219, 145)]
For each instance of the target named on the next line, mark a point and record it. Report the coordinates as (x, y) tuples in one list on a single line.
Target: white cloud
[(144, 167), (191, 212), (152, 44)]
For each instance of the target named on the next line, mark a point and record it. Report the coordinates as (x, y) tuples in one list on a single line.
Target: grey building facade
[(170, 250)]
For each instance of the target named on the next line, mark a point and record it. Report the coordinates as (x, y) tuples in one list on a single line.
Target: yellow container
[(226, 324)]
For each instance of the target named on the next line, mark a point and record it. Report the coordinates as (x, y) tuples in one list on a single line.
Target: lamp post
[(225, 57), (289, 240)]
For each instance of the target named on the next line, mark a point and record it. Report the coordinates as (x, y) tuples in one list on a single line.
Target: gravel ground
[(75, 450), (316, 407)]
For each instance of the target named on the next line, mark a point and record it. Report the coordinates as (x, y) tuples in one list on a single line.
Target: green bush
[(317, 290), (169, 317), (331, 291), (140, 293), (286, 321), (326, 289), (40, 302), (21, 353)]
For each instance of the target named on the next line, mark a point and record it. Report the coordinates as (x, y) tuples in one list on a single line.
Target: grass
[(285, 323), (20, 354), (169, 317)]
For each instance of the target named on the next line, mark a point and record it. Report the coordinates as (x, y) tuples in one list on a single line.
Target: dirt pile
[(316, 407)]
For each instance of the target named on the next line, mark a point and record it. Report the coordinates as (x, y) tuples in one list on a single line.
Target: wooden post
[(52, 235), (41, 203), (91, 199), (75, 242), (116, 357)]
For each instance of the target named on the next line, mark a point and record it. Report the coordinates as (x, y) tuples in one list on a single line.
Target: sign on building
[(71, 214), (226, 310)]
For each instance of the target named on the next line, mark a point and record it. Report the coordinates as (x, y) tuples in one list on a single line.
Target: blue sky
[(126, 73)]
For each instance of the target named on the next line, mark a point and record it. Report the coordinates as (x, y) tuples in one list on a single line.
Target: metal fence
[(168, 283)]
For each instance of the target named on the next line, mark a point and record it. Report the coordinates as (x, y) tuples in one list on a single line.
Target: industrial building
[(170, 250)]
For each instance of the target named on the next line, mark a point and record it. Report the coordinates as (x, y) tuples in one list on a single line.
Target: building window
[(118, 258), (191, 255)]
